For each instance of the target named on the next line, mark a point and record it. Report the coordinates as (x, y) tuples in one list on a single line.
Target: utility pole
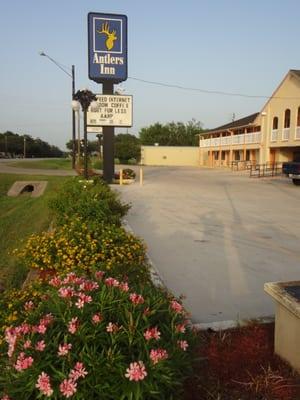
[(24, 147)]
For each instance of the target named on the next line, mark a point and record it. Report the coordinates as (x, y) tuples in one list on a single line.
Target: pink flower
[(112, 282), (5, 397), (78, 372), (23, 362), (180, 328), (63, 349), (43, 383), (68, 387), (152, 333), (183, 344), (99, 275), (136, 371), (11, 339), (66, 292), (177, 307), (97, 318), (70, 278), (56, 282), (157, 355), (88, 286), (112, 327), (82, 300), (47, 319), (40, 329), (136, 298), (27, 344), (123, 286), (28, 305), (40, 346), (73, 325)]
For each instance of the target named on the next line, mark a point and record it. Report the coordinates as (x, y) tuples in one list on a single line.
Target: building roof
[(295, 72), (236, 124)]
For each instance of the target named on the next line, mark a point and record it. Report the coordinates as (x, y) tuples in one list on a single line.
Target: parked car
[(292, 170)]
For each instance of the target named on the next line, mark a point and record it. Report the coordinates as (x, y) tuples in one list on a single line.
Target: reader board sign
[(113, 110), (94, 129), (107, 47)]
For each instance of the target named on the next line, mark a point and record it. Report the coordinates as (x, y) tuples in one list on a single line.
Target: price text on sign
[(112, 111)]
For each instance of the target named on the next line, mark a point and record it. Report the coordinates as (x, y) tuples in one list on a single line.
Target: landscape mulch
[(240, 364)]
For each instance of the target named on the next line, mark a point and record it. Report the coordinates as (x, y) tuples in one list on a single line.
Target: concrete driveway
[(217, 236)]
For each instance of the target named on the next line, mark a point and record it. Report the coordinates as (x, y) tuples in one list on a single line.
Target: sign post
[(107, 60)]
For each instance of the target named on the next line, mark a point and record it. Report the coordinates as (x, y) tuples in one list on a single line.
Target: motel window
[(223, 156), (298, 117), (287, 118), (275, 123), (216, 155)]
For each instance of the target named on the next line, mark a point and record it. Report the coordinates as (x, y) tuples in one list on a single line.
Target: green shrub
[(81, 246), (92, 201), (97, 339)]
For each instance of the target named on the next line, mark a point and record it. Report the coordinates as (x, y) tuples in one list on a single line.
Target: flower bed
[(97, 338), (84, 335)]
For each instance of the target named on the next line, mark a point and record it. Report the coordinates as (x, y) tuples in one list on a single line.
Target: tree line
[(128, 146), (15, 145)]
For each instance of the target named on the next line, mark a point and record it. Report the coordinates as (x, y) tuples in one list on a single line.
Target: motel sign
[(107, 47)]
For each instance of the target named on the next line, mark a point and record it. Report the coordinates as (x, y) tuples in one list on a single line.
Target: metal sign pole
[(108, 142)]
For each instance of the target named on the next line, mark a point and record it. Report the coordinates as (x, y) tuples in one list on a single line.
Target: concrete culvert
[(27, 189), (35, 188)]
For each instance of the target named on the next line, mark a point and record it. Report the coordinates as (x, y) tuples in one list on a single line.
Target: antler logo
[(111, 36)]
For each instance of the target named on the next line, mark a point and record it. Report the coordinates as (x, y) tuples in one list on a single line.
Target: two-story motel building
[(271, 135)]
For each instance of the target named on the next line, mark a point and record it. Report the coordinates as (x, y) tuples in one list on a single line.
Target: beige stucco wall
[(287, 96), (170, 155)]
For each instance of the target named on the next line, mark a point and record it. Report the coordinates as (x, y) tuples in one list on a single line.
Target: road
[(217, 237)]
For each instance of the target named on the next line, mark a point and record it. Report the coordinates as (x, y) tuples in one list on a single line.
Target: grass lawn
[(20, 217), (55, 163)]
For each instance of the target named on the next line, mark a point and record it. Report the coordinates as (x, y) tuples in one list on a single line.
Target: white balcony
[(286, 134), (247, 138), (274, 135)]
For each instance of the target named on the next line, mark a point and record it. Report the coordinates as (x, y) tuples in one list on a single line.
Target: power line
[(210, 91)]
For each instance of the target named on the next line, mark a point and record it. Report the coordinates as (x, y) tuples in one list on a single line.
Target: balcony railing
[(286, 134), (274, 135), (248, 138)]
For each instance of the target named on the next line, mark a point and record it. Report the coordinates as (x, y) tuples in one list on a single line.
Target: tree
[(127, 146), (12, 145), (172, 134)]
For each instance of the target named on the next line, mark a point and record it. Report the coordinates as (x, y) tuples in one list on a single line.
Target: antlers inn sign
[(107, 47)]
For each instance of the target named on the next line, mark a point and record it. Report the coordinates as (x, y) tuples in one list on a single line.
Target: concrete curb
[(155, 277)]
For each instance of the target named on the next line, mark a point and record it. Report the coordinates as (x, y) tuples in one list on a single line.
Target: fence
[(267, 169)]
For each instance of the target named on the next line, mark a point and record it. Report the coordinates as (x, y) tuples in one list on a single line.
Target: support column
[(220, 150), (108, 143), (210, 153), (244, 147), (230, 149)]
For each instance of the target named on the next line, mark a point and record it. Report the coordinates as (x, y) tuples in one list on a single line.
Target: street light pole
[(86, 98), (72, 76)]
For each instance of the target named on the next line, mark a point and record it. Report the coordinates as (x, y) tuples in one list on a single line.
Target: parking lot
[(217, 236)]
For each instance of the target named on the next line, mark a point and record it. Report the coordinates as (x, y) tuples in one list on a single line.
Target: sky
[(235, 46)]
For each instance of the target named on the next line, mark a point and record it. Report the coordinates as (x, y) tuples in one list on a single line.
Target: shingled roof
[(236, 124)]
